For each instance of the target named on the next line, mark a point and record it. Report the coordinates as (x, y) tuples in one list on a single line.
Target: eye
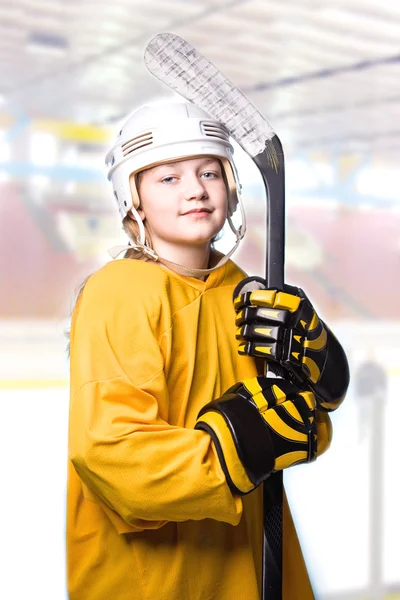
[(209, 175), (168, 179)]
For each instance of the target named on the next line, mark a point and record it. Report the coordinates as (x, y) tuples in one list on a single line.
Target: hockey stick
[(180, 66)]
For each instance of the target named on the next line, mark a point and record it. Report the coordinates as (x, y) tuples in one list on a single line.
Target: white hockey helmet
[(160, 133), (167, 132)]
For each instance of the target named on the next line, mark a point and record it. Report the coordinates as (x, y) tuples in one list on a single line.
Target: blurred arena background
[(326, 75)]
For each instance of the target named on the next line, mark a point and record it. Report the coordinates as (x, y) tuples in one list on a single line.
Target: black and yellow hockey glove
[(283, 327), (262, 425)]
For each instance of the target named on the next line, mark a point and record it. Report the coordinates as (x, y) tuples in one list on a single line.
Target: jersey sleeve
[(125, 452)]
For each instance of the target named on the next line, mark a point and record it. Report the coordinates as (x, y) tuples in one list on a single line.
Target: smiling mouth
[(197, 210)]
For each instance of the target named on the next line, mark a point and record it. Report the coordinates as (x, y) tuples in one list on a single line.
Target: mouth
[(197, 211)]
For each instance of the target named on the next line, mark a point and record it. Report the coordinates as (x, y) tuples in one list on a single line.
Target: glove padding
[(283, 327), (262, 425)]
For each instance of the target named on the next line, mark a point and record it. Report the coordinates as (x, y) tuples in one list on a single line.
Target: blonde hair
[(131, 228)]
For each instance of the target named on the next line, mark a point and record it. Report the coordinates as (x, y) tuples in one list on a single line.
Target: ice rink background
[(67, 76)]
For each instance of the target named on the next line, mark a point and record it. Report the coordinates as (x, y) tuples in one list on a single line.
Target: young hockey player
[(172, 431)]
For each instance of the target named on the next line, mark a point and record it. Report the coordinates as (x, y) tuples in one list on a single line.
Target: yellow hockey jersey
[(149, 513)]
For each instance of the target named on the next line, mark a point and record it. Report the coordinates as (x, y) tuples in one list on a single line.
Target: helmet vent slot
[(214, 130), (137, 142)]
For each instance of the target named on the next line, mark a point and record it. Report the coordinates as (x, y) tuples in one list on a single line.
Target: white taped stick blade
[(179, 65)]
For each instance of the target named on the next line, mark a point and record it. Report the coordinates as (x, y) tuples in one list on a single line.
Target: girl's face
[(184, 203)]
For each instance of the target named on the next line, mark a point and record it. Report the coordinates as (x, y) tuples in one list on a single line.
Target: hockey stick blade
[(175, 62)]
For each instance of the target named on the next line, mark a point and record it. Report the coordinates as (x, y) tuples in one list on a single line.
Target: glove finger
[(259, 332), (270, 298), (264, 391), (270, 350), (275, 299), (267, 392), (252, 314), (256, 297)]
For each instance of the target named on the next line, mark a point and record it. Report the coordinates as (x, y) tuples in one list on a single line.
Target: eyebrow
[(207, 161)]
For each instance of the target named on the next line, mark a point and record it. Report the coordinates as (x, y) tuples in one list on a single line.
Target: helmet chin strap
[(140, 246)]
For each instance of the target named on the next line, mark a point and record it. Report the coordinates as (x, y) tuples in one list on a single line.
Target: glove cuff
[(243, 445)]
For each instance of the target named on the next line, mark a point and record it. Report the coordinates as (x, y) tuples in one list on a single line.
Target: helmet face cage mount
[(158, 134)]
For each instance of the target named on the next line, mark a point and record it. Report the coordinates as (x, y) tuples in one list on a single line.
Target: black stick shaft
[(274, 180)]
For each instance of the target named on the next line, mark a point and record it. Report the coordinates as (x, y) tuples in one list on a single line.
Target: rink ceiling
[(322, 72)]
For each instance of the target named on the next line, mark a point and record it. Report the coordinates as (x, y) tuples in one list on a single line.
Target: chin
[(198, 241), (199, 237), (202, 240)]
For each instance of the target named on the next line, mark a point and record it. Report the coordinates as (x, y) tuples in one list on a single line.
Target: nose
[(194, 188)]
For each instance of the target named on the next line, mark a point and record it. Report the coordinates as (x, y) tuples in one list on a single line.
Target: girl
[(154, 510)]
